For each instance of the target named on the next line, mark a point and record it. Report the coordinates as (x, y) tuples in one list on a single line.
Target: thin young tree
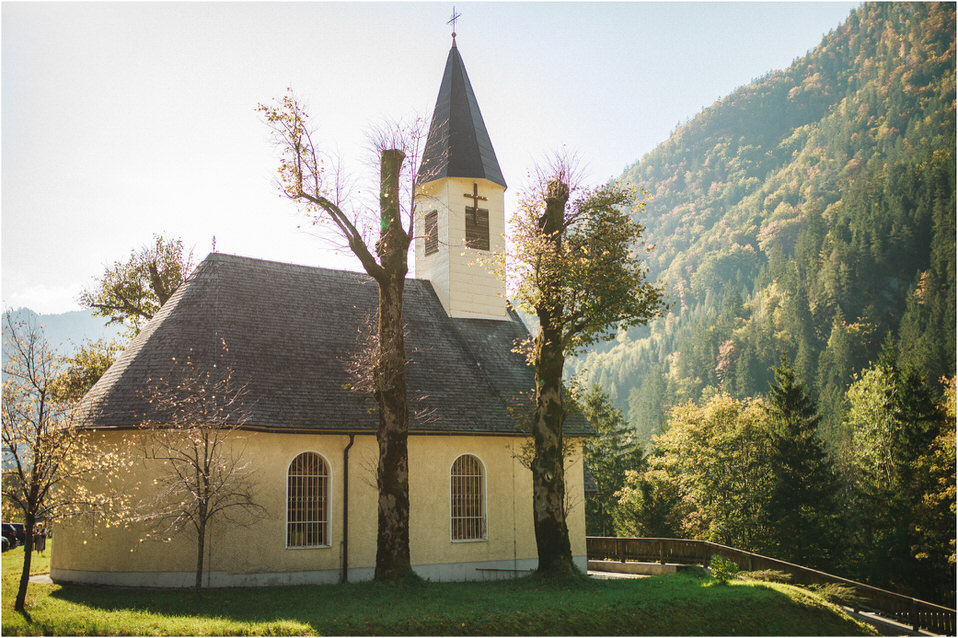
[(45, 458), (194, 442), (579, 269), (381, 243)]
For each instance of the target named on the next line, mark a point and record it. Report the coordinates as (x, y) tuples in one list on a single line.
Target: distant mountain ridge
[(811, 212), (67, 330)]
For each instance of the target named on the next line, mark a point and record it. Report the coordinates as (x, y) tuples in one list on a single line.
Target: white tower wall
[(462, 276)]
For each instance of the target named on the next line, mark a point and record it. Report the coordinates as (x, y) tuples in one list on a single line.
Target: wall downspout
[(344, 577)]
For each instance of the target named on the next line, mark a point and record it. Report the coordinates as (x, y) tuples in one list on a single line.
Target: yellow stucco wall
[(87, 550)]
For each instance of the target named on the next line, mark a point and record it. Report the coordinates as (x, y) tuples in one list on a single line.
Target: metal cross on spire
[(452, 21)]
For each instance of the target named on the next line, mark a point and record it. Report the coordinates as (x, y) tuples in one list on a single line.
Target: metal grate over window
[(307, 508), (468, 499)]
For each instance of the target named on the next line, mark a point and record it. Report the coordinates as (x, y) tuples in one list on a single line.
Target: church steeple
[(458, 144), (460, 189)]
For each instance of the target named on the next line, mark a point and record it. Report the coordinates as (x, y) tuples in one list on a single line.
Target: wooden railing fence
[(917, 613)]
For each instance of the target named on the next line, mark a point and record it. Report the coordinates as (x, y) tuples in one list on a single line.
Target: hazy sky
[(121, 120)]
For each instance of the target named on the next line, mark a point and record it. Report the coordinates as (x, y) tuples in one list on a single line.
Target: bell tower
[(460, 219)]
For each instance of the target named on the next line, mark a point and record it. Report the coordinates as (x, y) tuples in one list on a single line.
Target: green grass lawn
[(680, 604)]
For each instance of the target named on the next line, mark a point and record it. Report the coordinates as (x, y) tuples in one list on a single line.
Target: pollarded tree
[(305, 179), (132, 291), (579, 269)]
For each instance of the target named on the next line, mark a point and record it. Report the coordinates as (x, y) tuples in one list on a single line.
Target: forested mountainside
[(811, 212)]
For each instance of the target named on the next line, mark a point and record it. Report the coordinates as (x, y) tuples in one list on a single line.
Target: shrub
[(722, 569), (767, 576), (838, 593)]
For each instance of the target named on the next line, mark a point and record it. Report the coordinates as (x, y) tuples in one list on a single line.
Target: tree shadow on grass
[(215, 611), (673, 605)]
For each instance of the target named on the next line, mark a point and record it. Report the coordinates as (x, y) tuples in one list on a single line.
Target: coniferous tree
[(896, 421), (609, 455), (802, 507)]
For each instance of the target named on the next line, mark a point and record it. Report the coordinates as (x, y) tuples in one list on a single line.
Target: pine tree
[(802, 507), (609, 455)]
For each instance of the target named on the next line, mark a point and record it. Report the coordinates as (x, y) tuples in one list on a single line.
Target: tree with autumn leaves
[(128, 293), (579, 267), (46, 461)]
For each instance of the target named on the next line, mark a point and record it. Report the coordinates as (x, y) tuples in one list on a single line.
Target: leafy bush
[(722, 569), (767, 576), (838, 593)]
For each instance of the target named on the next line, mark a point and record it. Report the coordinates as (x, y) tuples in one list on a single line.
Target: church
[(292, 334)]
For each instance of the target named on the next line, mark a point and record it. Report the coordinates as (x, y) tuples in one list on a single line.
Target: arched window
[(307, 501), (467, 499)]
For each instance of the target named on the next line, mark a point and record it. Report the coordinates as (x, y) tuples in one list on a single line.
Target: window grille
[(468, 499), (307, 508), (432, 232)]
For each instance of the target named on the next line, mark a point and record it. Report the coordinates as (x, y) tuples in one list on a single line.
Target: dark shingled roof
[(458, 144), (291, 332)]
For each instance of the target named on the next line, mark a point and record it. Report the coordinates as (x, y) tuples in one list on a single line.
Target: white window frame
[(483, 518), (328, 497)]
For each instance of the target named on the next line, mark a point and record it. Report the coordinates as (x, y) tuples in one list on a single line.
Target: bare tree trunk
[(548, 471), (392, 552), (200, 548), (28, 524)]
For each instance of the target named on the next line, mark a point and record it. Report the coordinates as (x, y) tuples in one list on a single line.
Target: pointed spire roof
[(458, 144)]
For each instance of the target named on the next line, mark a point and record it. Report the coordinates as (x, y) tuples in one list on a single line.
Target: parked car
[(21, 535), (9, 536)]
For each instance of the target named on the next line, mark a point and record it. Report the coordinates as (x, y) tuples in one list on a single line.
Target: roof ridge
[(229, 257)]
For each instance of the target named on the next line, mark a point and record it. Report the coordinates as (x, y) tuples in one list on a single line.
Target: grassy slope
[(670, 605)]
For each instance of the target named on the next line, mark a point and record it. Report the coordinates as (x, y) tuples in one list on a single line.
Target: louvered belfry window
[(307, 509), (477, 228), (432, 232), (468, 499)]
